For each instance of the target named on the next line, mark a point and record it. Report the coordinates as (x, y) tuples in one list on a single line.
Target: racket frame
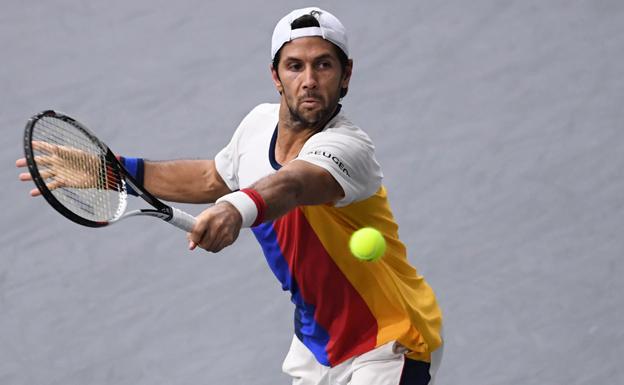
[(160, 209)]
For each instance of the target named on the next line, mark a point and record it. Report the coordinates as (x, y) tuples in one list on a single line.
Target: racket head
[(75, 172)]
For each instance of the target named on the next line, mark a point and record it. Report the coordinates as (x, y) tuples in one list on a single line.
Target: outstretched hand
[(216, 228), (62, 166)]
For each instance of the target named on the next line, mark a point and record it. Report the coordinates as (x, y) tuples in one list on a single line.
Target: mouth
[(310, 101)]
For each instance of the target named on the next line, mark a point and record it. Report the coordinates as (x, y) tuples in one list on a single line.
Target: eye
[(294, 66), (324, 64)]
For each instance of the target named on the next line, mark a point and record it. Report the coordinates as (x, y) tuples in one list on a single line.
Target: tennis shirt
[(343, 307)]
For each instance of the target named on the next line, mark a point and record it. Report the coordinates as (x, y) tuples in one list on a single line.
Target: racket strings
[(75, 170)]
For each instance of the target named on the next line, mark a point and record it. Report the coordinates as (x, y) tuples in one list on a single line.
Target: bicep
[(316, 184), (299, 183)]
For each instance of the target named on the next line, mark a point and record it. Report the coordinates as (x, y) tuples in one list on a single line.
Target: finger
[(194, 237), (226, 240), (21, 162), (213, 243), (44, 160), (44, 146), (201, 233), (54, 185), (208, 242), (219, 246), (197, 237), (25, 177), (45, 174), (222, 240), (35, 192)]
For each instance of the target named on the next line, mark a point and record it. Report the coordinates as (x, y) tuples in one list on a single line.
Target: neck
[(292, 134), (289, 122)]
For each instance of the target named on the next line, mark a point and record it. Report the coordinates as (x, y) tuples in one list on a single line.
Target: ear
[(347, 74), (276, 80)]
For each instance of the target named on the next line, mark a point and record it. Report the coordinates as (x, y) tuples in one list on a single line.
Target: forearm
[(297, 184), (187, 181), (280, 192)]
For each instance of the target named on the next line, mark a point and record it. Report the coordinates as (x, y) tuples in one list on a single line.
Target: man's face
[(310, 79)]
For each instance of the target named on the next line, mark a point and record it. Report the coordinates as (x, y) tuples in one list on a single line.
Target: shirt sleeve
[(226, 162), (349, 159)]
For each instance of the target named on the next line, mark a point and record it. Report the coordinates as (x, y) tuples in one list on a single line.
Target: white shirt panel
[(246, 158), (342, 148), (346, 152)]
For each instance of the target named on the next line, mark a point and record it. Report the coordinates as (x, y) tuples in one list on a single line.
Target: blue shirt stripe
[(313, 335)]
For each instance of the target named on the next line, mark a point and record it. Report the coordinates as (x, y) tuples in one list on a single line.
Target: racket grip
[(182, 220)]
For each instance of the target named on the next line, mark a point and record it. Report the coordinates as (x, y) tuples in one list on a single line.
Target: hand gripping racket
[(81, 177)]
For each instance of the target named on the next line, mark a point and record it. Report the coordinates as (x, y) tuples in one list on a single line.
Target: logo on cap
[(317, 14), (329, 28)]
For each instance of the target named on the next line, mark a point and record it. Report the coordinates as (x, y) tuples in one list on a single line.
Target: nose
[(309, 78)]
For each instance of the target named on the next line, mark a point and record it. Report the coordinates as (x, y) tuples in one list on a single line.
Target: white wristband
[(244, 204)]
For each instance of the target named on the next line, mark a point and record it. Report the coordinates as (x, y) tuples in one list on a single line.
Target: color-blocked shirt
[(343, 307)]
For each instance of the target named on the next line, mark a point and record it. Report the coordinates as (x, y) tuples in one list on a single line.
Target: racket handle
[(182, 220)]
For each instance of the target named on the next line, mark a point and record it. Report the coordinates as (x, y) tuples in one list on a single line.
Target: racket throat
[(174, 216), (164, 213)]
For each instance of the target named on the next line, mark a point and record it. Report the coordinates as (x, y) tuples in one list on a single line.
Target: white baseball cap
[(330, 29)]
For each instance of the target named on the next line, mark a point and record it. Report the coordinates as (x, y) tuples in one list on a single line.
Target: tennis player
[(303, 177)]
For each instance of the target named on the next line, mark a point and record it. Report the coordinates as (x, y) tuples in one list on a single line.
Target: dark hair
[(306, 21)]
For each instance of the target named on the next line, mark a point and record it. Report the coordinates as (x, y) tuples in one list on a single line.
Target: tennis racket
[(81, 177)]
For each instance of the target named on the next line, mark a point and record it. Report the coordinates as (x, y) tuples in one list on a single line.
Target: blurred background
[(499, 125)]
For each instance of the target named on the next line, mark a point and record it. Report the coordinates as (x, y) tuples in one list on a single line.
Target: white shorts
[(385, 365)]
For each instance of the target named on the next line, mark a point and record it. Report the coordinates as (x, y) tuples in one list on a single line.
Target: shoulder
[(340, 131), (342, 126), (348, 154), (262, 117), (264, 110)]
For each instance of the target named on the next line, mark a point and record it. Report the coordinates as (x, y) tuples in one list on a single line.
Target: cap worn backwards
[(330, 28)]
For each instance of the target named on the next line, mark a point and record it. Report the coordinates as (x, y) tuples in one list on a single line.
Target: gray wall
[(499, 127)]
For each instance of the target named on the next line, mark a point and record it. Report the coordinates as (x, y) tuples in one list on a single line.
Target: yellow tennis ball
[(367, 244)]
